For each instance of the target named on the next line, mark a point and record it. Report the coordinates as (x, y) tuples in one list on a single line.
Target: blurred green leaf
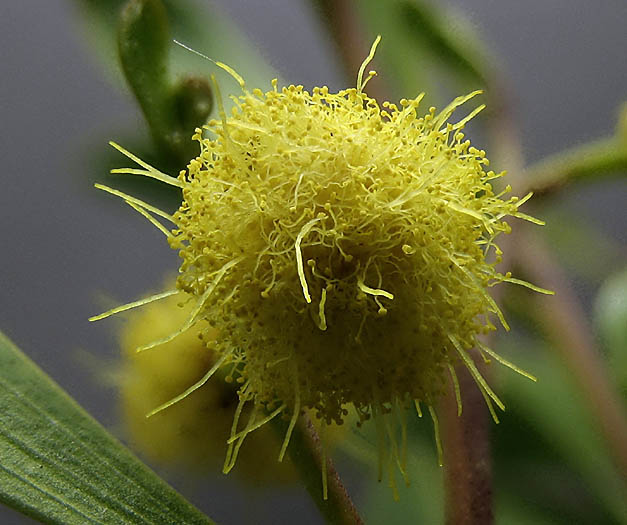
[(58, 465), (143, 41), (174, 103), (567, 433), (590, 162), (423, 46), (510, 510), (611, 322), (602, 158), (197, 23), (621, 125), (405, 66), (99, 19), (450, 40)]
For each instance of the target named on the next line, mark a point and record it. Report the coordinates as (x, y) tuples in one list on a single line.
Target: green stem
[(588, 162), (307, 455)]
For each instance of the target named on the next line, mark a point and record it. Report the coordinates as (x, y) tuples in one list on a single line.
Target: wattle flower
[(342, 250)]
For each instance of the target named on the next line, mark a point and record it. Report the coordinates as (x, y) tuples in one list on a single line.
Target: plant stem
[(305, 451), (467, 462), (466, 438), (588, 162), (565, 322)]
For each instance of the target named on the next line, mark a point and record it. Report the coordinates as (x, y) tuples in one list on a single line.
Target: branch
[(467, 462), (588, 162), (305, 451), (466, 438)]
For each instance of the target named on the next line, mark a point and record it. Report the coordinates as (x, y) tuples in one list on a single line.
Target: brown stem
[(564, 320), (466, 439), (467, 462), (306, 452)]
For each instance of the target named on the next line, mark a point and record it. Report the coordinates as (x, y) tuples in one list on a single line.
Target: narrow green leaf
[(422, 46), (143, 43), (403, 65), (451, 43), (59, 465)]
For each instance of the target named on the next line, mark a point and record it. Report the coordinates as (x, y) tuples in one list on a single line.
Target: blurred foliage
[(611, 322), (427, 48), (601, 158), (550, 463), (448, 38), (561, 465), (196, 23), (559, 458)]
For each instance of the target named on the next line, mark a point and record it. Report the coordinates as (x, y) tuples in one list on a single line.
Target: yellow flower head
[(341, 249)]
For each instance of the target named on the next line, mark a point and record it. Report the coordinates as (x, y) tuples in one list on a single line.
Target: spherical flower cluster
[(341, 249)]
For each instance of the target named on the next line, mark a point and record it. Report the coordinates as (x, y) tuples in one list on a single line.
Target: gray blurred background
[(65, 245)]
